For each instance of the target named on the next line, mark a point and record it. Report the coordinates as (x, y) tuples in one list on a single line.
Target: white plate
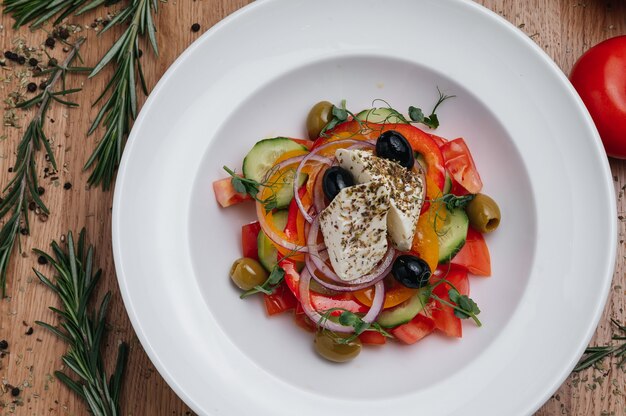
[(255, 75)]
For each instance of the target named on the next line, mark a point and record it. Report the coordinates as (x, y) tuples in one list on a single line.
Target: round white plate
[(255, 75)]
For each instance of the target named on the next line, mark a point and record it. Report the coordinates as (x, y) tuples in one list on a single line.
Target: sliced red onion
[(315, 316), (318, 193)]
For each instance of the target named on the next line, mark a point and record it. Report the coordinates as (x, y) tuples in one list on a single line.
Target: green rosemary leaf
[(83, 330)]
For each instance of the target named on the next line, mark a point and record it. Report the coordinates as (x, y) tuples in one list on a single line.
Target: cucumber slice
[(268, 254), (447, 186), (405, 311), (381, 116), (263, 155), (284, 191), (452, 234)]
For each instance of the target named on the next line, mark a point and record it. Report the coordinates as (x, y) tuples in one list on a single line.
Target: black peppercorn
[(139, 53), (43, 85), (195, 27), (42, 260), (41, 190), (15, 391), (4, 344), (50, 42), (33, 62), (31, 87), (12, 56), (67, 185), (32, 205), (30, 331), (64, 33), (21, 60), (24, 231), (53, 62)]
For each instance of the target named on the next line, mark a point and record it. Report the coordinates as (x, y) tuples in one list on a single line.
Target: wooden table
[(563, 28)]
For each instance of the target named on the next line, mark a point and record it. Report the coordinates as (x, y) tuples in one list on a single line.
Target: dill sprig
[(120, 108), (594, 355), (24, 184), (81, 328)]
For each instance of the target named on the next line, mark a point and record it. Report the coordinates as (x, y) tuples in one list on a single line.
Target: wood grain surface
[(563, 28)]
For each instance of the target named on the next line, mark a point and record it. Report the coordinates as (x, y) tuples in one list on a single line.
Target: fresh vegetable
[(411, 271), (404, 312), (247, 273), (394, 146), (334, 180), (336, 347), (452, 234), (267, 253), (599, 76), (226, 195), (483, 213), (319, 116), (460, 163), (249, 238), (390, 230), (474, 256)]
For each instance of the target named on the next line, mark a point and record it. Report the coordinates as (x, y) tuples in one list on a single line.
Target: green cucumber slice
[(268, 254), (381, 115), (452, 234), (405, 311), (284, 193), (263, 155), (447, 186)]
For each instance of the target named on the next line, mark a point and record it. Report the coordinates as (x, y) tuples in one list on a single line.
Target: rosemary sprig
[(594, 355), (24, 185), (37, 12), (120, 109), (82, 329)]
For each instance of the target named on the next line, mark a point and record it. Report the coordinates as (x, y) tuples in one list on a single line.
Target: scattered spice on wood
[(67, 186), (33, 62), (41, 190), (53, 62), (24, 231), (195, 27), (31, 87), (42, 260), (32, 205), (21, 60), (50, 42), (30, 331), (15, 391), (4, 344)]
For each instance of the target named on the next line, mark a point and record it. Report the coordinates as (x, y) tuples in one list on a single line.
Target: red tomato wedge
[(280, 301), (474, 256), (438, 139), (454, 274), (226, 195), (372, 338), (249, 240), (320, 302), (419, 140), (443, 315), (460, 164), (304, 142), (413, 331)]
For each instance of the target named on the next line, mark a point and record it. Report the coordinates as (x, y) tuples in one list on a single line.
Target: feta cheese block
[(354, 226), (406, 191)]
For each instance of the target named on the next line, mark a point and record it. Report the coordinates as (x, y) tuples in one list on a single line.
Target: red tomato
[(226, 195), (474, 256), (443, 315), (416, 329), (438, 139), (372, 338), (249, 235), (460, 164), (280, 301), (599, 76), (320, 302), (454, 274), (306, 143)]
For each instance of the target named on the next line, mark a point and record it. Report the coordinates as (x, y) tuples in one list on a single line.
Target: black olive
[(335, 179), (394, 146), (411, 271)]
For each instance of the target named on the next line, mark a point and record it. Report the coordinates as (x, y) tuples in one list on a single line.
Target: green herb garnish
[(417, 115), (594, 355), (347, 318)]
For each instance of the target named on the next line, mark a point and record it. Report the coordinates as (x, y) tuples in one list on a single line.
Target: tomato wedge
[(420, 141), (226, 195), (460, 163), (249, 240), (320, 302), (280, 301), (372, 338), (413, 331), (474, 256), (443, 315)]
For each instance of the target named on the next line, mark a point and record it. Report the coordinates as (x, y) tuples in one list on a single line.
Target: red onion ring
[(305, 296)]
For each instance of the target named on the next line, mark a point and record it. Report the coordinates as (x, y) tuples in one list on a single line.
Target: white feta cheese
[(406, 191), (354, 226)]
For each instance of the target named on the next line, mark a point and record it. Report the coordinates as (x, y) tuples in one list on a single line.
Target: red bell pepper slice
[(280, 301), (373, 338), (460, 164), (474, 256), (226, 195), (249, 240)]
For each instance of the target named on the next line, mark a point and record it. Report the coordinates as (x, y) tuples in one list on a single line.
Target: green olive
[(483, 213), (318, 117), (247, 273), (328, 345)]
